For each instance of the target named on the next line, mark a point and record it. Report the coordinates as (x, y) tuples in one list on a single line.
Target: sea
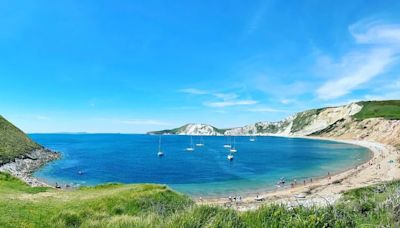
[(92, 159)]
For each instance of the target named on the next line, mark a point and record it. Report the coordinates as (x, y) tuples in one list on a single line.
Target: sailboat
[(201, 143), (233, 149), (190, 148), (160, 153), (252, 139), (230, 157), (227, 145)]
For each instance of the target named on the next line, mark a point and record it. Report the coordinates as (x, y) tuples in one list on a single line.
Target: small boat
[(227, 144), (80, 172), (190, 148), (233, 149), (201, 143), (230, 157), (252, 139), (160, 153)]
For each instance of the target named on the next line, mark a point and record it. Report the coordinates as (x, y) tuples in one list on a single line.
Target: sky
[(136, 66)]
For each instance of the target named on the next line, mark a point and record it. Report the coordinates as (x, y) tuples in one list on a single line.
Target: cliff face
[(192, 129), (21, 156), (375, 129), (356, 120)]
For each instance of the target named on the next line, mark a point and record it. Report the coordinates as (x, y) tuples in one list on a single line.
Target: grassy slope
[(372, 109), (157, 206), (13, 142)]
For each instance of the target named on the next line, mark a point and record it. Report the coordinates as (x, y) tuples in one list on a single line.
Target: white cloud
[(364, 67), (228, 103), (373, 32), (379, 44)]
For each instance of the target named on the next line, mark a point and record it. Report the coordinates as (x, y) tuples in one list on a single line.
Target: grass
[(116, 205), (13, 142), (373, 109)]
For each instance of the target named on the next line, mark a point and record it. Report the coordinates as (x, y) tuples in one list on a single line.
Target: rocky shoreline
[(23, 168)]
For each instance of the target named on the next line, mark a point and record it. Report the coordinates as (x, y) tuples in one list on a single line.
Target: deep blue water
[(130, 158)]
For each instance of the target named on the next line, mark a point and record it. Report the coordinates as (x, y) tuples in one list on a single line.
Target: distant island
[(364, 195)]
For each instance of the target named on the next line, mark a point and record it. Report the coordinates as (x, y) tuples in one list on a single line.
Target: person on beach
[(311, 180), (230, 198), (304, 182), (329, 175)]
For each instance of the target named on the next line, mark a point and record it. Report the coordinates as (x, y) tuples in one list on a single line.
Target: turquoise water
[(90, 159)]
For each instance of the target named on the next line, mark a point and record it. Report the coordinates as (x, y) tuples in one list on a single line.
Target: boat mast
[(159, 144)]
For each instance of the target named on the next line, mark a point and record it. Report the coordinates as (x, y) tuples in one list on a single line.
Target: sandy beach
[(382, 166)]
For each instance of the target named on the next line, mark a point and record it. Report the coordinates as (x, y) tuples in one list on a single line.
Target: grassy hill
[(386, 109), (147, 205), (13, 142)]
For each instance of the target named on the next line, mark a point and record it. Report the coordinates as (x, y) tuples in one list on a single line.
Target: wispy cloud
[(194, 91), (228, 103), (220, 99), (257, 18), (379, 44)]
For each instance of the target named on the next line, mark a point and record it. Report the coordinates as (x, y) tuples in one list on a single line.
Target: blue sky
[(134, 66)]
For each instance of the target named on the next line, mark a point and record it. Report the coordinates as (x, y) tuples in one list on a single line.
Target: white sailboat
[(201, 143), (230, 157), (233, 149), (252, 139), (227, 145), (160, 153), (190, 148)]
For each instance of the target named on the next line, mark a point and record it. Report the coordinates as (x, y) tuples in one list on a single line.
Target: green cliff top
[(389, 109), (13, 142)]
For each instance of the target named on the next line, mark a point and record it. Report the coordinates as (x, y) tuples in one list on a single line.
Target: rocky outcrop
[(192, 129), (300, 124), (25, 166), (336, 122)]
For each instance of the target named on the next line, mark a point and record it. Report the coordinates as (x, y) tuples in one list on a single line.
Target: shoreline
[(324, 190), (23, 168)]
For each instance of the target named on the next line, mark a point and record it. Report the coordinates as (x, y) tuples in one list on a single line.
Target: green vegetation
[(303, 119), (115, 205), (373, 109), (13, 142)]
